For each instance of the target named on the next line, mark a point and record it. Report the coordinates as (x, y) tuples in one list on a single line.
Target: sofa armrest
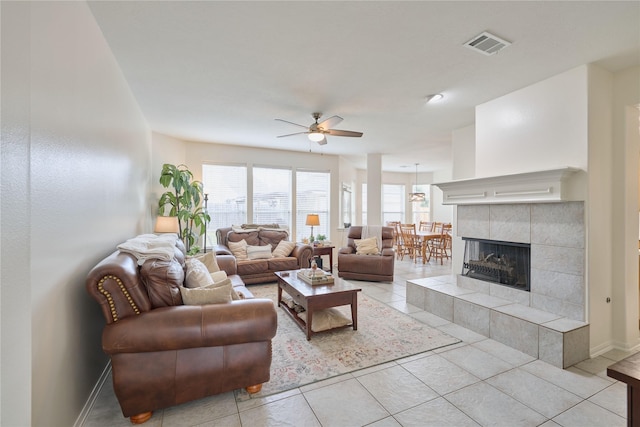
[(303, 252), (346, 250), (221, 250), (388, 252), (191, 326), (228, 264)]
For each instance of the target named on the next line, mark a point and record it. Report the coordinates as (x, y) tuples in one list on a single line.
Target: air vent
[(487, 44)]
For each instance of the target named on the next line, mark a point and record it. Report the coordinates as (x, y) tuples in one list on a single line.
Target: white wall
[(75, 179), (463, 152), (543, 126)]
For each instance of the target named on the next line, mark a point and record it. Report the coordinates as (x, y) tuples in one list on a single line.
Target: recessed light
[(433, 98)]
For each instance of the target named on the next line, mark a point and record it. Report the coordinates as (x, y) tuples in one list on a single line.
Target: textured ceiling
[(222, 72)]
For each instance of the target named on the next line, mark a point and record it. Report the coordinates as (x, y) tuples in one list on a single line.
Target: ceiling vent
[(487, 44)]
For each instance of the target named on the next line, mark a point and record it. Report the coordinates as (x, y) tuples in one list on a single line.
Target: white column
[(374, 189)]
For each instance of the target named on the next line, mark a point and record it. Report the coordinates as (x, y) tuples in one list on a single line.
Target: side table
[(325, 250)]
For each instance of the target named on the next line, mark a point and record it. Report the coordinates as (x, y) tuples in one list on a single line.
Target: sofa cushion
[(209, 260), (283, 249), (367, 246), (259, 252), (272, 237), (217, 294), (197, 274), (163, 280), (249, 236), (281, 264), (218, 276), (254, 266), (239, 249)]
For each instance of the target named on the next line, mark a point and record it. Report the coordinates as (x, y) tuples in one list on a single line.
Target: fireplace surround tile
[(562, 286), (471, 316), (514, 332), (557, 258), (558, 224), (439, 304), (510, 223), (473, 221), (505, 292), (558, 306)]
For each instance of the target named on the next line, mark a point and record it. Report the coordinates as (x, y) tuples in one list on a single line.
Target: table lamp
[(312, 219), (167, 224)]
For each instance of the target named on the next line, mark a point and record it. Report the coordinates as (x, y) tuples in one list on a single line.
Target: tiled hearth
[(549, 321)]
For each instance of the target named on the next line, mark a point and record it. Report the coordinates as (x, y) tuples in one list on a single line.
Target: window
[(226, 187), (421, 210), (312, 196), (272, 196), (393, 200)]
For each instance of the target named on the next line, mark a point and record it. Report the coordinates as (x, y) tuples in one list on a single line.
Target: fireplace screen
[(504, 263)]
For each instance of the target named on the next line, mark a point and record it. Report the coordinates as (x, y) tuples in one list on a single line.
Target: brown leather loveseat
[(262, 270), (164, 353), (373, 268)]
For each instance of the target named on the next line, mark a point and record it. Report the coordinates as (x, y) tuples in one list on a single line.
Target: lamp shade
[(166, 224), (313, 219)]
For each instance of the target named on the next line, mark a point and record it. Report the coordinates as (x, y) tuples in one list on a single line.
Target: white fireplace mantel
[(556, 185)]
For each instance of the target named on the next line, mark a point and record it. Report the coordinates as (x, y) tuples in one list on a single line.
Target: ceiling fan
[(317, 131)]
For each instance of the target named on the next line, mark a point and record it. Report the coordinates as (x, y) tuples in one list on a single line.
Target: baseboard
[(93, 396), (612, 345)]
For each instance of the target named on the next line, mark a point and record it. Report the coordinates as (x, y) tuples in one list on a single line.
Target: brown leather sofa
[(373, 268), (262, 270), (164, 353)]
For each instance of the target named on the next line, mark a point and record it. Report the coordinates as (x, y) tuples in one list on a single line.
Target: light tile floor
[(476, 382)]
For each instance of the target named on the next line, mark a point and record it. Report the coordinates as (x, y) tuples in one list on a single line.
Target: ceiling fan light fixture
[(430, 99), (316, 136)]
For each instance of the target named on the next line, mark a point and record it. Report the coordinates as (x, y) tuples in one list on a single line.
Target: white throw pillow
[(239, 249), (197, 274), (259, 252), (367, 246), (209, 260), (283, 249), (216, 293), (218, 276)]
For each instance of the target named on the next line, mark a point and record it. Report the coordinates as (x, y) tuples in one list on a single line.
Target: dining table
[(424, 237)]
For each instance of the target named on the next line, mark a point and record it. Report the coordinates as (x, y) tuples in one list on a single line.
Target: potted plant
[(321, 238), (183, 201)]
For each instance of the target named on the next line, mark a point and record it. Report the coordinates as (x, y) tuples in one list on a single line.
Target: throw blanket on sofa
[(150, 246), (373, 231)]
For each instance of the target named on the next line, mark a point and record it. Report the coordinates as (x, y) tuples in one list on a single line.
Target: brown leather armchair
[(374, 268), (164, 353)]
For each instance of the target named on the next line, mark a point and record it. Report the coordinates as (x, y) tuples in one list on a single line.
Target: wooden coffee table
[(316, 297)]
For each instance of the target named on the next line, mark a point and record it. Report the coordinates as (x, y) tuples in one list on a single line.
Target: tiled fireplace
[(546, 321)]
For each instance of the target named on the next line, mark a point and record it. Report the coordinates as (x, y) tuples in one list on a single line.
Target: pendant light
[(417, 197)]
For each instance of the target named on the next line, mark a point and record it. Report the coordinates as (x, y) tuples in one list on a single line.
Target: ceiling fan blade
[(330, 122), (337, 132), (323, 141), (291, 123), (291, 134)]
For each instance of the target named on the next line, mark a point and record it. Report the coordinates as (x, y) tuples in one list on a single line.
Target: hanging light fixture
[(417, 197)]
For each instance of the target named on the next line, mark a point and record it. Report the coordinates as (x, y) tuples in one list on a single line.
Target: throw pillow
[(259, 252), (226, 284), (209, 260), (239, 249), (283, 249), (218, 276), (367, 246), (197, 274), (326, 319), (202, 296)]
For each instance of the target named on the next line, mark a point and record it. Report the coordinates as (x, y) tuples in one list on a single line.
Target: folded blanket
[(373, 231), (150, 246)]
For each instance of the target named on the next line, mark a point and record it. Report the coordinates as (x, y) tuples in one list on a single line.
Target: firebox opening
[(505, 263)]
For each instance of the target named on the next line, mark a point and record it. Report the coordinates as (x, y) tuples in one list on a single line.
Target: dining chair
[(426, 225), (440, 248), (412, 245), (396, 238)]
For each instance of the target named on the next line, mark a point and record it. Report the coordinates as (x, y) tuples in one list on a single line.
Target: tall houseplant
[(183, 201)]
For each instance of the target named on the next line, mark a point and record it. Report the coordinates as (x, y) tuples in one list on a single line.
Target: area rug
[(384, 334)]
